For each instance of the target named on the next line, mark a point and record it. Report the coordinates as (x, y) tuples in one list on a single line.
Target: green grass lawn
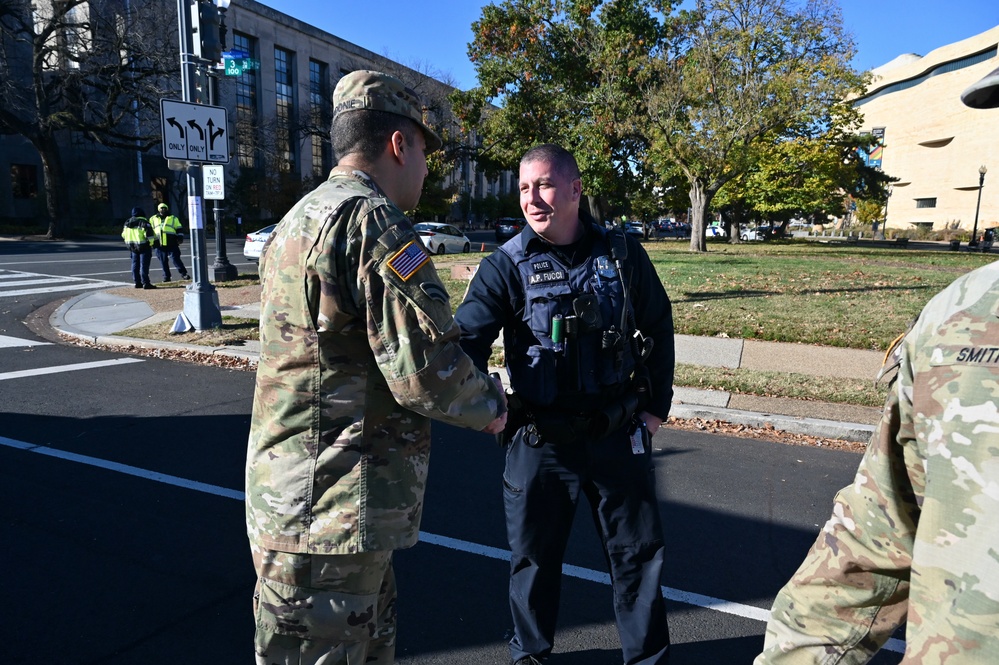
[(795, 291)]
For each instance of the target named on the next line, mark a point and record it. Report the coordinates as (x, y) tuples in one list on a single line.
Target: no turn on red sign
[(213, 181)]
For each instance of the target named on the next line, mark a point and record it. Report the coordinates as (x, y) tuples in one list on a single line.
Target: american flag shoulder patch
[(408, 260)]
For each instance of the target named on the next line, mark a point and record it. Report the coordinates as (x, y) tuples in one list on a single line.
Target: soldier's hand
[(499, 384), (496, 426)]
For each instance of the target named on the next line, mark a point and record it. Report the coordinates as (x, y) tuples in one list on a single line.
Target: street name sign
[(194, 132)]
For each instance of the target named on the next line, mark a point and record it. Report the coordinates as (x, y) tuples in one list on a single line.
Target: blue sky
[(435, 33)]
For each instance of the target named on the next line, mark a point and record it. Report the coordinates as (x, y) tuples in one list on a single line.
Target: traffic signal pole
[(201, 300)]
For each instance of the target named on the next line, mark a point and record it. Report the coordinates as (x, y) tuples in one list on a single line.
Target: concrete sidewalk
[(104, 317)]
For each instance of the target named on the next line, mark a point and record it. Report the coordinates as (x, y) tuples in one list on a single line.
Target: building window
[(24, 180), (284, 93), (246, 105), (319, 111), (97, 186), (926, 203)]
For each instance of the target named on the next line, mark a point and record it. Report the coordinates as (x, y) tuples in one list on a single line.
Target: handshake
[(497, 426)]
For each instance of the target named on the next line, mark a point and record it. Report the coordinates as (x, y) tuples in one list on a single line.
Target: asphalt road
[(121, 486)]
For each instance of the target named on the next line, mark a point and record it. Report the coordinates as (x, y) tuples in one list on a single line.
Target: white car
[(255, 243), (715, 231), (442, 238)]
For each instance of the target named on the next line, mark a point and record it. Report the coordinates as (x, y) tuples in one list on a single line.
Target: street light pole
[(981, 182), (201, 301)]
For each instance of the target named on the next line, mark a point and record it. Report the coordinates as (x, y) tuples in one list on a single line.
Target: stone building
[(933, 143), (277, 95)]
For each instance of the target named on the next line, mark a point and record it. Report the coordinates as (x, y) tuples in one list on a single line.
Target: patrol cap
[(138, 212), (365, 89), (162, 206), (984, 94)]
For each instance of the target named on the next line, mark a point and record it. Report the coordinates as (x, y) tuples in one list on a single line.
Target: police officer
[(588, 341), (358, 351), (914, 538), (169, 233), (140, 239)]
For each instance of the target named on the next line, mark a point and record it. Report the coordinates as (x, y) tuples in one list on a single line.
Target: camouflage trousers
[(313, 609)]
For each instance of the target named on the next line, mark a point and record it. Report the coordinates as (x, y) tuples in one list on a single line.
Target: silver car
[(442, 238)]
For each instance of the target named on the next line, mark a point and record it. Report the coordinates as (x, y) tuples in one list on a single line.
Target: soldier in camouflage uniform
[(358, 352), (915, 538)]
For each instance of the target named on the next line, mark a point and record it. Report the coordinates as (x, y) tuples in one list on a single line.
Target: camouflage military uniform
[(915, 538), (358, 351)]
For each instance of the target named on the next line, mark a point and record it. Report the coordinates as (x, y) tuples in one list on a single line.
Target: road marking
[(69, 287), (34, 278), (58, 369), (686, 597), (11, 342)]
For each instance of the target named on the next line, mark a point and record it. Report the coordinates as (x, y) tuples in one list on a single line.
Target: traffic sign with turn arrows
[(194, 132)]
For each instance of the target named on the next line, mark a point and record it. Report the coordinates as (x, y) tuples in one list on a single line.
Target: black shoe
[(166, 279), (138, 286), (186, 276), (149, 286)]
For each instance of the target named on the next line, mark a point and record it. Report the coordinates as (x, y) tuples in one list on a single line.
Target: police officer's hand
[(652, 423)]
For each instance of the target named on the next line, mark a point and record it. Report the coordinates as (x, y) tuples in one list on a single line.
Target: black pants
[(140, 266), (168, 253), (541, 487)]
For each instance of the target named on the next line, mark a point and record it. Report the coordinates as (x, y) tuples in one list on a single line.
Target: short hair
[(365, 132), (556, 155)]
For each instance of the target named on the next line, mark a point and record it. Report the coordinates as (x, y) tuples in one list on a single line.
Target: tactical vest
[(586, 369)]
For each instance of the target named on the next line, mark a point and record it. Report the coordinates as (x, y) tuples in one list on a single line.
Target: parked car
[(255, 243), (671, 229), (508, 227), (442, 238), (761, 232), (634, 229), (715, 231)]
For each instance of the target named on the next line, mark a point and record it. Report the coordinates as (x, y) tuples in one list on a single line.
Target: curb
[(846, 431)]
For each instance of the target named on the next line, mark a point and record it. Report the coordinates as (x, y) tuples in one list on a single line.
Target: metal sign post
[(201, 300)]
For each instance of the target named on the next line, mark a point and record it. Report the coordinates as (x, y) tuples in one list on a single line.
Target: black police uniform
[(578, 397)]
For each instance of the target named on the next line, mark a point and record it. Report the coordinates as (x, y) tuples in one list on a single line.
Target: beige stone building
[(933, 143)]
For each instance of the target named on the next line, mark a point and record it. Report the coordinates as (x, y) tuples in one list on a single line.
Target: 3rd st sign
[(194, 132)]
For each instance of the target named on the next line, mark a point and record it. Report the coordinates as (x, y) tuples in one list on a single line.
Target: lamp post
[(201, 301), (981, 181), (222, 270)]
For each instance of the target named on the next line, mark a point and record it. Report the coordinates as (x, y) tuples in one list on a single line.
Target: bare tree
[(96, 67)]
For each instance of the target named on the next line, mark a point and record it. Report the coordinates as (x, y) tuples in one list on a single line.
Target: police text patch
[(547, 277), (541, 266), (408, 260)]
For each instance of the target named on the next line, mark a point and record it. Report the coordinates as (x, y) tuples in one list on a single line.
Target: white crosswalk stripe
[(15, 283)]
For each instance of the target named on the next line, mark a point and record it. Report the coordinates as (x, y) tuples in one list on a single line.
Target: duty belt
[(553, 425)]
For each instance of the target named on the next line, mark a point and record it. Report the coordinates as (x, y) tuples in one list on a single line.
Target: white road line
[(33, 282), (58, 369), (686, 597), (56, 289), (12, 342), (30, 262)]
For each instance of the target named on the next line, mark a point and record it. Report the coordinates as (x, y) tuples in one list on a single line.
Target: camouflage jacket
[(915, 538), (358, 351)]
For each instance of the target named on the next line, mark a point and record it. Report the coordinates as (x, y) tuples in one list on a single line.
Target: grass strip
[(857, 392)]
